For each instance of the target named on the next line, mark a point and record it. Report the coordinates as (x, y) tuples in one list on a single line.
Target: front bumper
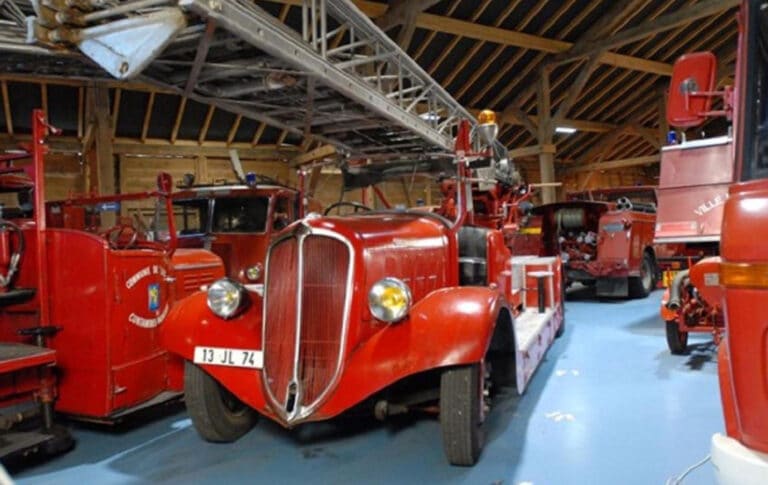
[(735, 464)]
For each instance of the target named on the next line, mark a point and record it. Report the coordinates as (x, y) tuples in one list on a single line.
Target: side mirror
[(691, 89)]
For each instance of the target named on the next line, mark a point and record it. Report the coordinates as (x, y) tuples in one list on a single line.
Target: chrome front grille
[(306, 311)]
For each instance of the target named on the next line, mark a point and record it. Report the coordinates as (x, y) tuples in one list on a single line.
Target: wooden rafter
[(403, 13), (478, 45), (179, 117), (7, 108), (613, 164), (233, 129), (431, 36), (455, 41), (258, 134), (147, 116), (683, 16), (206, 124)]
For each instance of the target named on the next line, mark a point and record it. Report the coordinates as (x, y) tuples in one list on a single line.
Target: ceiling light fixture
[(566, 130)]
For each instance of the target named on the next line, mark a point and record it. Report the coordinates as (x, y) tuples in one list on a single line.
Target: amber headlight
[(226, 297), (389, 300)]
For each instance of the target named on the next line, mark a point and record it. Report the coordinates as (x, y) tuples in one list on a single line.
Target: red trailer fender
[(705, 276)]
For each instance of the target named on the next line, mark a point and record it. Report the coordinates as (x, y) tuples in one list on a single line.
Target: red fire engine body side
[(447, 325)]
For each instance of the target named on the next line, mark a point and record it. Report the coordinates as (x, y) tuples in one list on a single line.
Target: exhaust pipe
[(675, 290)]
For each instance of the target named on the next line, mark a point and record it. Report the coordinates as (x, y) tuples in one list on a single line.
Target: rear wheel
[(641, 286), (216, 413), (676, 340), (462, 414)]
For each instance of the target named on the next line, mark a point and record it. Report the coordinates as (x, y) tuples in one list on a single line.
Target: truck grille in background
[(319, 328)]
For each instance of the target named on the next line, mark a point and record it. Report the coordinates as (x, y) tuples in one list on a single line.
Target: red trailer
[(693, 188), (604, 237), (103, 287), (395, 310)]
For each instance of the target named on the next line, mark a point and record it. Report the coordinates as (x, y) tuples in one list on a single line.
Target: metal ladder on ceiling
[(329, 73)]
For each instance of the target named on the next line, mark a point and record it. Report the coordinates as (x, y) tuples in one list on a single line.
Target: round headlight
[(226, 297), (389, 300), (253, 273)]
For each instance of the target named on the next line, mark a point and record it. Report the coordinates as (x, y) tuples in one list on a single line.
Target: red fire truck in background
[(735, 284), (237, 221), (604, 237), (693, 187)]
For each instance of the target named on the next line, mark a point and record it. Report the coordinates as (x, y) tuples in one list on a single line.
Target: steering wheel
[(344, 203), (121, 236)]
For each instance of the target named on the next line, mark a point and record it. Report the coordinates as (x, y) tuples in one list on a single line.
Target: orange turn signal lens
[(744, 275), (487, 117)]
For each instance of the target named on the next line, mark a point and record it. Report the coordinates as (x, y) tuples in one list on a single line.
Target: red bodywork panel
[(109, 311), (693, 188), (745, 387)]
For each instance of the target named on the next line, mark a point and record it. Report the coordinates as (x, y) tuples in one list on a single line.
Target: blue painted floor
[(609, 405)]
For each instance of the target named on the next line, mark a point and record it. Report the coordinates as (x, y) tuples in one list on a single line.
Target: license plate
[(252, 359)]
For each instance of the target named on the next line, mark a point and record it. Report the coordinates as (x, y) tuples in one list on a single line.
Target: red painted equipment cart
[(28, 382)]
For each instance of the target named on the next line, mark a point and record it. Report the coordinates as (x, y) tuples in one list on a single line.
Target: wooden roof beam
[(667, 22), (613, 164), (497, 35)]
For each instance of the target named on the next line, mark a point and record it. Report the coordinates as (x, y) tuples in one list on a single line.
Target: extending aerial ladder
[(328, 73)]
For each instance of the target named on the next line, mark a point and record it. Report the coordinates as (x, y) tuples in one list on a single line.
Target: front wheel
[(216, 413), (641, 286), (461, 414), (676, 340)]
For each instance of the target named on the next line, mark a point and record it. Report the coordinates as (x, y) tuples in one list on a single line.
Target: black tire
[(676, 340), (641, 286), (461, 414), (216, 413)]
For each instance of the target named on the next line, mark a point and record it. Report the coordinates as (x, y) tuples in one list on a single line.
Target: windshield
[(191, 216), (755, 163), (240, 214)]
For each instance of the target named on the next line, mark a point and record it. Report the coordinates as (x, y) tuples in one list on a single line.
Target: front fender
[(450, 326), (191, 323)]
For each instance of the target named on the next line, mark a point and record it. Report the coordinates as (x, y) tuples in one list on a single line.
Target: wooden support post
[(105, 160), (201, 169), (545, 132)]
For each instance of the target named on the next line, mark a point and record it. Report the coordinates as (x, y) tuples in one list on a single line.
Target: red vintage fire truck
[(693, 187), (604, 237), (90, 285), (395, 310), (737, 279), (237, 221)]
